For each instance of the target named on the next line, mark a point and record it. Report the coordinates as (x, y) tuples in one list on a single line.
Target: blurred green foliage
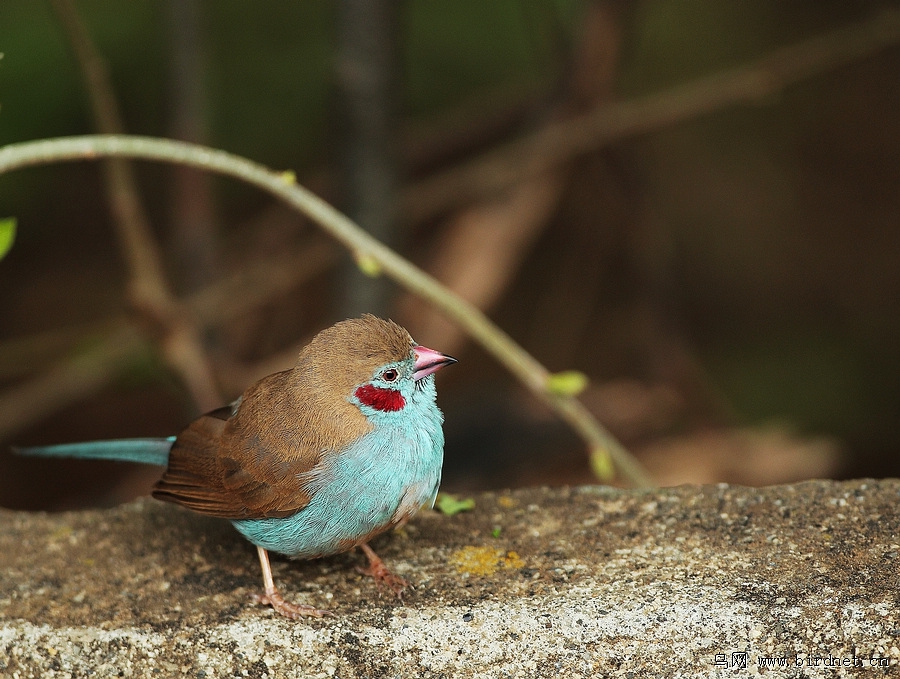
[(7, 235)]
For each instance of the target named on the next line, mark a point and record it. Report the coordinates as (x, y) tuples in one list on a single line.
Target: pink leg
[(273, 597), (380, 572)]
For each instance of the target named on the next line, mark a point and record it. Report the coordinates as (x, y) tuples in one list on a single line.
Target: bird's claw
[(288, 609), (383, 577)]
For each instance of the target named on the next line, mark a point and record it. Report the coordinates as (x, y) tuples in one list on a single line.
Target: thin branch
[(480, 251), (138, 246), (483, 245), (41, 395), (561, 142), (30, 353), (257, 283), (473, 321), (217, 303), (87, 372), (193, 228), (148, 289)]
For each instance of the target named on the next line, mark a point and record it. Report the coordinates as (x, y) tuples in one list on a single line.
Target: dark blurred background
[(721, 258)]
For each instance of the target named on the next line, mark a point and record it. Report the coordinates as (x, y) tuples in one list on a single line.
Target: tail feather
[(146, 451)]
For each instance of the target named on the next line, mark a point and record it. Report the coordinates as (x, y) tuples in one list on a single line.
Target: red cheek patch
[(385, 400)]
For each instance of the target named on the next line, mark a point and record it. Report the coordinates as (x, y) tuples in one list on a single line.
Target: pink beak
[(429, 361)]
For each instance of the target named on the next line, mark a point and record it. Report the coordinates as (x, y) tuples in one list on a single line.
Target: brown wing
[(192, 477), (250, 464)]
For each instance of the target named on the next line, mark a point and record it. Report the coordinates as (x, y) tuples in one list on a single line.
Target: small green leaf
[(567, 383), (602, 465), (7, 235), (449, 504), (368, 265), (496, 532)]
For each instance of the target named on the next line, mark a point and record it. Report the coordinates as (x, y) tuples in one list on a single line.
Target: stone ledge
[(533, 583)]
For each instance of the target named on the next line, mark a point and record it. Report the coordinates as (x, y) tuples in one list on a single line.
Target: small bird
[(310, 461)]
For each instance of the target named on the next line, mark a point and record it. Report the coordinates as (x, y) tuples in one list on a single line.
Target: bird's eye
[(389, 375)]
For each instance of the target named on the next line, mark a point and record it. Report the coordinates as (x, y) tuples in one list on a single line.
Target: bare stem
[(149, 291)]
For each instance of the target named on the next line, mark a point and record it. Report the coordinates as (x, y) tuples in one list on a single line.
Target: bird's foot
[(286, 608), (273, 597), (381, 573)]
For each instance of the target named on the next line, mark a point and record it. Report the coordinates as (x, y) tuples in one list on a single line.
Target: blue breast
[(378, 481)]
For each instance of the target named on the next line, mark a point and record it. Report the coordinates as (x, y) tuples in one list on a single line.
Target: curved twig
[(365, 247)]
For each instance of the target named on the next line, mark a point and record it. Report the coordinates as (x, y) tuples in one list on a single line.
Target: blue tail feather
[(146, 451)]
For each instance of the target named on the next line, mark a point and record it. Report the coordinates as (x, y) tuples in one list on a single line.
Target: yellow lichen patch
[(506, 501), (484, 560), (61, 533)]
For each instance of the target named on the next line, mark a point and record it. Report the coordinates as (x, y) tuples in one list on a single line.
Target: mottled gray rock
[(535, 583)]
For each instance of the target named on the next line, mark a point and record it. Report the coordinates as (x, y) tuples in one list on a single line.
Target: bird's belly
[(365, 491)]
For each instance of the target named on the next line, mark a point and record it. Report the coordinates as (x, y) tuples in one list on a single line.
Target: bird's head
[(373, 363)]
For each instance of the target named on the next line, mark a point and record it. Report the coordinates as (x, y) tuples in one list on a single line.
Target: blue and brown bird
[(314, 460)]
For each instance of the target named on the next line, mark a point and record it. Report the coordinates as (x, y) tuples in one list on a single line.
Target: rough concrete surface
[(681, 582)]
